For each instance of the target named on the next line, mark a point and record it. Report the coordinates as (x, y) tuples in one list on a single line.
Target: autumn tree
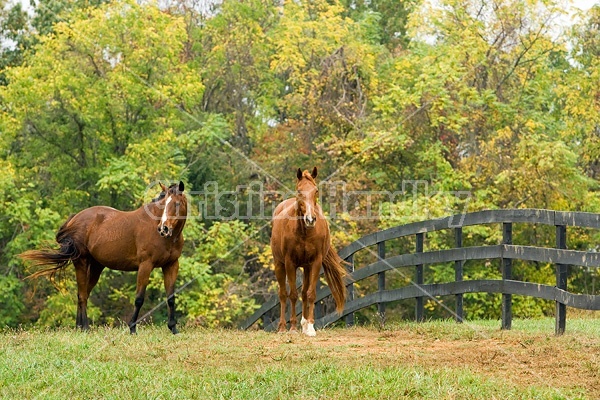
[(440, 107)]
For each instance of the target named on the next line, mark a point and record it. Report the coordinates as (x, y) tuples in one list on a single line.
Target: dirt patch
[(524, 359)]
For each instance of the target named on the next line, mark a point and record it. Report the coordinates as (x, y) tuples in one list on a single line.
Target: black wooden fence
[(505, 251)]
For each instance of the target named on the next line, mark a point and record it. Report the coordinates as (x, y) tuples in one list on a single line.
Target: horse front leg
[(143, 278), (170, 275), (290, 271), (280, 275), (308, 307), (303, 321)]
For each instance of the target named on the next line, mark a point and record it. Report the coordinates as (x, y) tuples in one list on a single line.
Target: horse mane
[(159, 197)]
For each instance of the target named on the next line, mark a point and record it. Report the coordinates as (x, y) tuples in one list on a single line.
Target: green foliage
[(135, 165), (387, 19), (95, 86), (441, 107), (11, 299), (326, 62)]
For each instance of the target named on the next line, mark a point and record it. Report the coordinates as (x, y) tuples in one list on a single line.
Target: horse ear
[(163, 187), (314, 173), (299, 174), (181, 186)]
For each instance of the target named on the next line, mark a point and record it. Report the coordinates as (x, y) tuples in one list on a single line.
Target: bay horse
[(300, 239), (102, 237)]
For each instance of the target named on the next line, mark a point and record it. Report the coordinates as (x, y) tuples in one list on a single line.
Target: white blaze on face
[(163, 219), (310, 217), (309, 214)]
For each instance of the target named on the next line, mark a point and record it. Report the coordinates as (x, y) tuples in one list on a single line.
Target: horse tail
[(69, 251), (335, 274)]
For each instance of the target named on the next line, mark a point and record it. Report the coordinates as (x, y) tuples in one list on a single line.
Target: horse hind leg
[(82, 273), (95, 271), (87, 273)]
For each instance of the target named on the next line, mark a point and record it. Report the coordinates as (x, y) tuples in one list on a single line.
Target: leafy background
[(100, 99)]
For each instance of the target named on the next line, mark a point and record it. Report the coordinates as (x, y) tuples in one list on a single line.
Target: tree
[(580, 91), (440, 107), (236, 67), (388, 19), (15, 36), (89, 96), (90, 90)]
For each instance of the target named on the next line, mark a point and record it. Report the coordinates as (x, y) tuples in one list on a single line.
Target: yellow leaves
[(264, 256), (533, 126), (329, 68), (528, 169), (309, 32)]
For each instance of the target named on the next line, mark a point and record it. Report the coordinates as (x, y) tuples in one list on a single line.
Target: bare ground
[(523, 359)]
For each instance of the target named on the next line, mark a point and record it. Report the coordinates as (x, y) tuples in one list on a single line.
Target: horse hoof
[(293, 331), (304, 324), (174, 331), (307, 328)]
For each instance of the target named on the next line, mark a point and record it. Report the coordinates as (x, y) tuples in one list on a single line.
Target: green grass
[(220, 364)]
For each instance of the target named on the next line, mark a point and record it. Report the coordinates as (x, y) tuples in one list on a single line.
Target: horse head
[(306, 197), (174, 208)]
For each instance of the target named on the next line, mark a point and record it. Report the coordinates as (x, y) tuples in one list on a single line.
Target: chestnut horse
[(102, 237), (300, 238)]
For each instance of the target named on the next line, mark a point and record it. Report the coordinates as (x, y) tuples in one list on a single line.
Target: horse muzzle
[(164, 231), (310, 221)]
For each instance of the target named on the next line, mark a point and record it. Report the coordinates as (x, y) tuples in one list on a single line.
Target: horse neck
[(151, 210), (179, 224), (300, 228)]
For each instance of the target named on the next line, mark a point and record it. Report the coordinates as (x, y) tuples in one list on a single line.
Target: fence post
[(267, 320), (506, 274), (381, 280), (419, 279), (561, 281), (458, 273), (350, 317)]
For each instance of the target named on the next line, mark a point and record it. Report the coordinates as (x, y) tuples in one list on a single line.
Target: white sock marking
[(307, 328)]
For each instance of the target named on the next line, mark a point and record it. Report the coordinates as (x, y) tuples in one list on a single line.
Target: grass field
[(432, 360)]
